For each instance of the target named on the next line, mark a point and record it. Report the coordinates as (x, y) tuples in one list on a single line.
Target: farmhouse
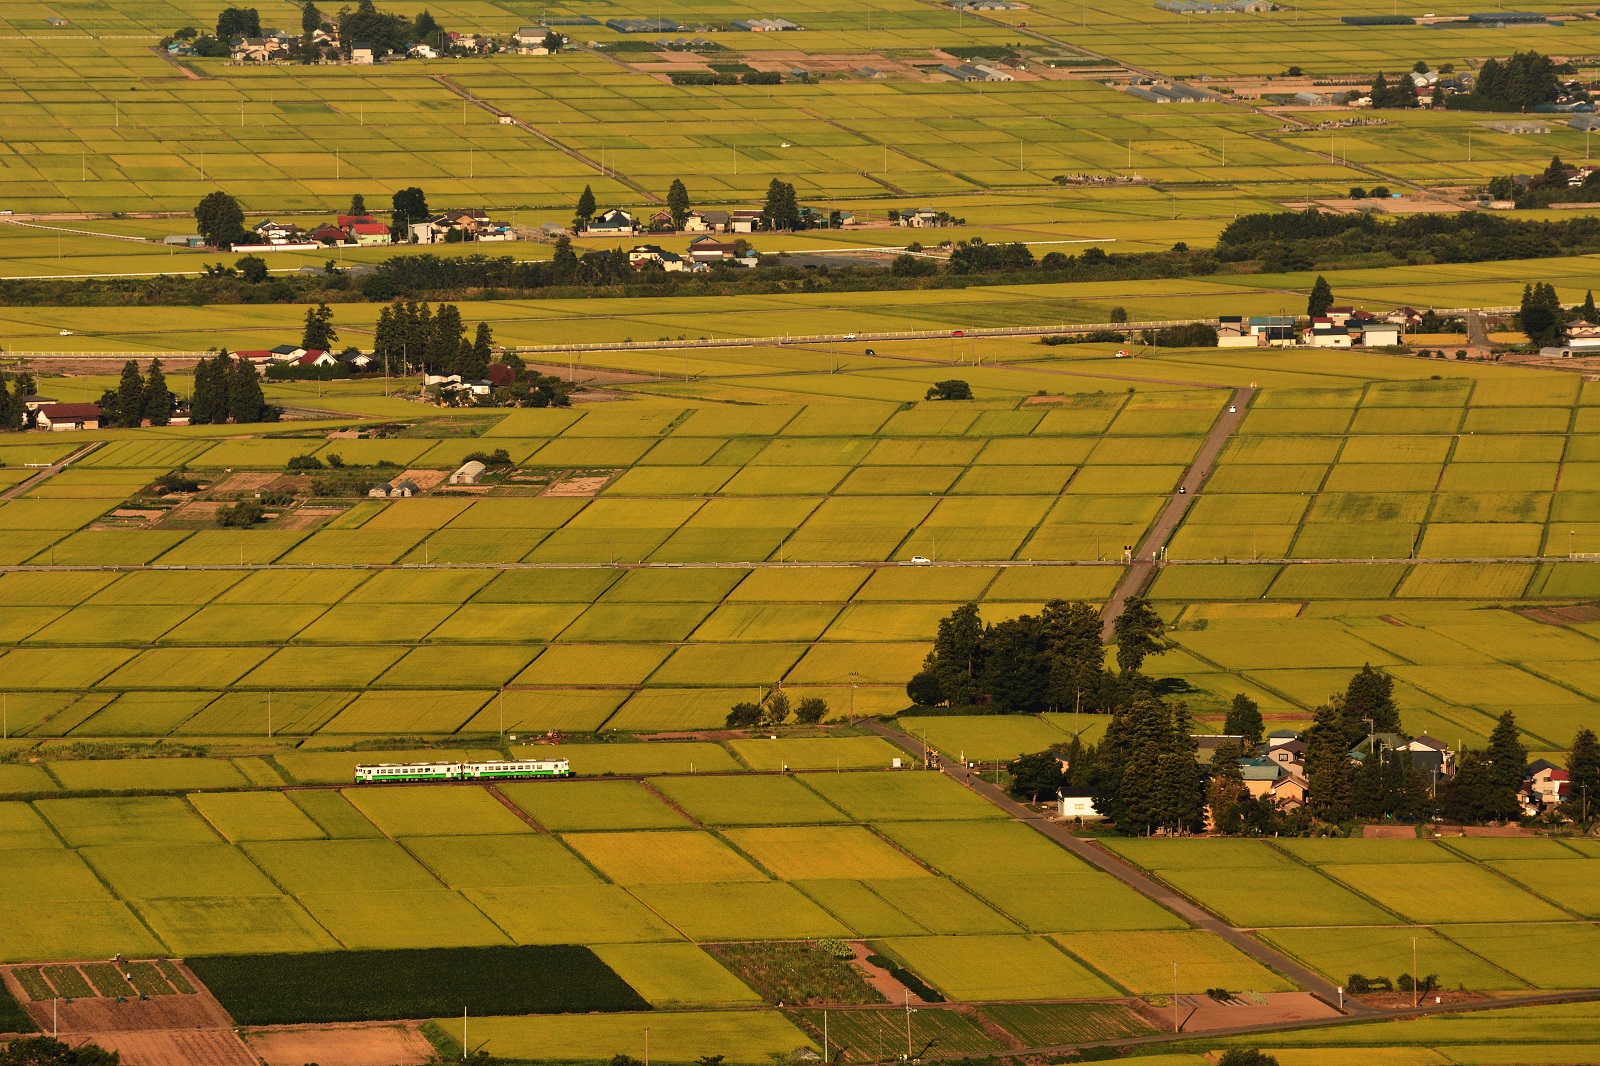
[(616, 220), (369, 232), (746, 220), (1079, 805), (706, 222), (59, 417), (362, 55), (711, 250)]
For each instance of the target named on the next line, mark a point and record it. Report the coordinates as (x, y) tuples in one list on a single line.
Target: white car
[(1123, 354), (65, 333), (850, 336), (921, 560), (1232, 410)]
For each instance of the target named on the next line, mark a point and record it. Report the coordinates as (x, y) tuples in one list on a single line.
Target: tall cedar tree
[(13, 412), (358, 204), (1244, 720), (208, 405), (1541, 313), (1583, 773), (474, 359), (159, 403), (1329, 775), (220, 220), (678, 202), (1321, 298), (1145, 775), (444, 347), (123, 406), (1138, 633), (1507, 754), (1370, 695), (1589, 313), (1226, 789), (957, 656), (310, 21), (319, 333), (584, 211), (245, 400), (782, 210)]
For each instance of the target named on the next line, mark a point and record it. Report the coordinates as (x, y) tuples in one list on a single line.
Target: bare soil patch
[(195, 1047), (424, 479), (1560, 616), (386, 1045), (578, 486), (1388, 832), (1204, 1013), (246, 481)]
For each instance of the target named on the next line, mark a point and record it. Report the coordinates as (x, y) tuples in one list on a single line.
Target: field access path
[(48, 472), (1145, 556)]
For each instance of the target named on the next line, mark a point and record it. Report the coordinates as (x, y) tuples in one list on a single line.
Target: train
[(509, 769)]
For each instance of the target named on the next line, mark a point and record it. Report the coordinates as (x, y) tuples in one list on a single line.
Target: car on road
[(921, 560), (1123, 354)]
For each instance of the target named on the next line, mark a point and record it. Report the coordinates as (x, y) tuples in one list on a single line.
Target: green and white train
[(509, 769)]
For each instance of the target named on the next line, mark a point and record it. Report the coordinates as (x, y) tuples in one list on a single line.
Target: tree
[(1502, 187), (1583, 773), (238, 22), (358, 205), (220, 220), (13, 412), (1369, 696), (924, 689), (775, 709), (1138, 634), (1036, 775), (124, 406), (47, 1051), (954, 389), (1244, 720), (409, 205), (252, 268), (473, 363), (957, 655), (426, 28), (1507, 755), (1144, 774), (209, 404), (245, 400), (1321, 298), (444, 346), (1118, 314), (1540, 315), (159, 402), (584, 211), (1588, 312), (1473, 794), (319, 333), (811, 710), (781, 210), (678, 202), (310, 21), (1226, 790), (1329, 775)]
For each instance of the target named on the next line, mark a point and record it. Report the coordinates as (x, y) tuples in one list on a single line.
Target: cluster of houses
[(294, 355), (704, 252), (354, 231), (1341, 327), (1276, 770)]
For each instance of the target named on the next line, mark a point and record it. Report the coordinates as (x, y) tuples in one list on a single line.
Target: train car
[(409, 771), (515, 768), (508, 769)]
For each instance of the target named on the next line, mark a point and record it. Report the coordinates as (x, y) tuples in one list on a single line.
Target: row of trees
[(1050, 661), (1520, 83), (138, 398), (774, 709), (228, 390), (411, 334)]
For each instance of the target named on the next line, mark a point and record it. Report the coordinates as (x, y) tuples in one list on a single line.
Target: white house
[(616, 220), (1328, 337), (1080, 806), (1376, 333)]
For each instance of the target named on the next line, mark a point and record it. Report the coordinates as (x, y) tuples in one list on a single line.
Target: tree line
[(227, 389), (1052, 661)]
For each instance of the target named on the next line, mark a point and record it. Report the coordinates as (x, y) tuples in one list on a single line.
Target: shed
[(1079, 805), (403, 489), (468, 474)]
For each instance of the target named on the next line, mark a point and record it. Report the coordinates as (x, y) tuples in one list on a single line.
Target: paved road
[(48, 472), (1143, 570)]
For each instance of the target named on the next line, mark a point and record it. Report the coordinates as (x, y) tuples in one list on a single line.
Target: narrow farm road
[(1143, 570), (48, 472), (1140, 882)]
